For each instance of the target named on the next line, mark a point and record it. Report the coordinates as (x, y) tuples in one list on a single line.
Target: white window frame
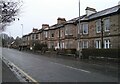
[(61, 33), (46, 34), (107, 24), (63, 45), (78, 47), (68, 30), (98, 26), (98, 44), (79, 28), (107, 43), (85, 26), (85, 44), (57, 33)]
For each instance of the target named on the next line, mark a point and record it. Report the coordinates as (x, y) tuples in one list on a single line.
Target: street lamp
[(59, 40), (22, 35), (22, 29), (102, 44), (79, 32)]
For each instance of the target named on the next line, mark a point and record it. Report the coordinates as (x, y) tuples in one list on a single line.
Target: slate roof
[(105, 12)]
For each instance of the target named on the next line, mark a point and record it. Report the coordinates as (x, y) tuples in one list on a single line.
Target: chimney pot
[(45, 26), (35, 30), (90, 11), (61, 20)]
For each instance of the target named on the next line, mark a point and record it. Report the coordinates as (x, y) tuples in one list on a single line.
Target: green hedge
[(111, 53)]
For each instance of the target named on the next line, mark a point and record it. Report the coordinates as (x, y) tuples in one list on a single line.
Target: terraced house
[(100, 29), (97, 30)]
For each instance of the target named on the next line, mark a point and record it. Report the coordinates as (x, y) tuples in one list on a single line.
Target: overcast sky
[(34, 13)]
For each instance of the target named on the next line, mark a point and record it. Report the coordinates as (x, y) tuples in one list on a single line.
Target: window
[(106, 44), (68, 44), (85, 28), (107, 24), (98, 26), (46, 34), (61, 33), (85, 44), (98, 44), (36, 36), (63, 45), (32, 36), (51, 45), (68, 30), (39, 36), (57, 33), (79, 45), (79, 28), (52, 35)]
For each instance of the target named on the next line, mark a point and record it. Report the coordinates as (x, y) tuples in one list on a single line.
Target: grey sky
[(34, 13)]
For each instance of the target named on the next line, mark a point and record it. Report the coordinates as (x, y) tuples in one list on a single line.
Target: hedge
[(111, 53)]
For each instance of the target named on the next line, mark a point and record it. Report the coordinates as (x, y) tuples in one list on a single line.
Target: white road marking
[(72, 67)]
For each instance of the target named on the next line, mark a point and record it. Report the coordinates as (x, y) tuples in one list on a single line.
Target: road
[(8, 75), (50, 69)]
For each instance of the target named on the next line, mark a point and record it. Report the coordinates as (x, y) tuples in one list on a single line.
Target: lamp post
[(22, 35), (79, 32), (102, 44), (59, 40)]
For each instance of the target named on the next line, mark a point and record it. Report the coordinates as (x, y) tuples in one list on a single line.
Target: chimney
[(34, 30), (45, 26), (90, 11), (61, 20)]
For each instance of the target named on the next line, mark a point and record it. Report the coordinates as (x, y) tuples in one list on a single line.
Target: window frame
[(85, 43), (68, 30), (98, 44), (107, 43), (84, 28), (98, 25), (106, 24)]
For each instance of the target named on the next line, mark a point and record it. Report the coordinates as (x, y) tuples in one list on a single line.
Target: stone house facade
[(97, 30), (100, 29)]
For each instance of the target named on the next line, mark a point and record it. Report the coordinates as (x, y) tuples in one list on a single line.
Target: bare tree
[(9, 10)]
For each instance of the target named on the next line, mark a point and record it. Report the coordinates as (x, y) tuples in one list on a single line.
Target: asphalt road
[(7, 75), (49, 69)]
